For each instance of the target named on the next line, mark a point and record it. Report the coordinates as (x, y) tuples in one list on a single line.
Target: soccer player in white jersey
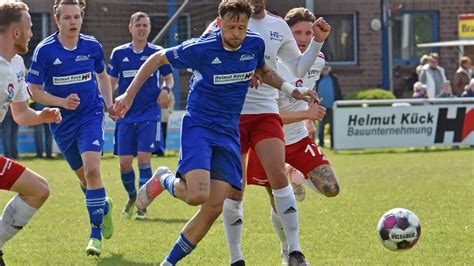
[(68, 71), (300, 150), (209, 164), (32, 189), (261, 128), (139, 132)]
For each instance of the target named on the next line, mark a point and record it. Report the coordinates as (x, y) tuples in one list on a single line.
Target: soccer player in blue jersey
[(139, 132), (223, 64), (68, 71)]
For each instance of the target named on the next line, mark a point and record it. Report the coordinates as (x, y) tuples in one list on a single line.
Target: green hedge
[(370, 94)]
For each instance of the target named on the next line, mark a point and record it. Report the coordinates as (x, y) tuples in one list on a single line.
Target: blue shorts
[(131, 138), (76, 137), (209, 149)]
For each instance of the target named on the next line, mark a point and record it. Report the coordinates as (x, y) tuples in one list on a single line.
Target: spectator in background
[(424, 59), (462, 75), (469, 91), (165, 114), (10, 136), (446, 90), (419, 90), (43, 136), (433, 76), (328, 88)]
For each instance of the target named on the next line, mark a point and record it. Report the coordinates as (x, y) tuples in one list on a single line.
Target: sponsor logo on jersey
[(216, 61), (312, 73), (20, 76), (10, 92), (125, 59), (82, 58), (129, 73), (67, 80), (276, 36), (57, 62), (234, 77), (144, 57), (34, 72), (246, 57)]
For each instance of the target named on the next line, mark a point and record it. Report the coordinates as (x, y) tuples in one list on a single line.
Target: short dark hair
[(11, 13), (234, 8), (137, 16), (299, 14), (59, 3)]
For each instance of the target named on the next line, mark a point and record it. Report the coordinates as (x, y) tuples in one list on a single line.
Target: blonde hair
[(11, 12)]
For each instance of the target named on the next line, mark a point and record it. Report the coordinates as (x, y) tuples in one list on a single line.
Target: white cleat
[(152, 188)]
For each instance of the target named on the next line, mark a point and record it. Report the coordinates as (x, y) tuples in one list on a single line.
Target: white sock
[(287, 210), (232, 217), (279, 231), (15, 216)]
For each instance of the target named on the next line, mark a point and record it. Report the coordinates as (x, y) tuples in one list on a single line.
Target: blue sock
[(181, 249), (128, 180), (145, 173), (95, 202), (168, 183)]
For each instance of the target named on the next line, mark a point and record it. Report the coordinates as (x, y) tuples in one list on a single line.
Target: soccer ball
[(399, 229)]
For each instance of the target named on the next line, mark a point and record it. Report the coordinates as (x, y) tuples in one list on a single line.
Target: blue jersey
[(62, 71), (220, 77), (124, 64)]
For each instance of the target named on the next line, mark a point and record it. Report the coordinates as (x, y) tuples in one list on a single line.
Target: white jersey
[(294, 132), (12, 83)]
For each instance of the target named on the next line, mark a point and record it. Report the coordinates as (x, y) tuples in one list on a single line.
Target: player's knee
[(196, 199), (278, 174), (42, 193), (91, 173), (333, 190)]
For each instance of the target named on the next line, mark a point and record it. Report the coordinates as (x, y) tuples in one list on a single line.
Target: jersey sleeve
[(165, 70), (99, 64), (22, 94), (261, 53), (113, 69), (289, 49), (38, 70), (185, 55)]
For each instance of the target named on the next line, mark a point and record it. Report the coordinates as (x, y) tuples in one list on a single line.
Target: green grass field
[(438, 185)]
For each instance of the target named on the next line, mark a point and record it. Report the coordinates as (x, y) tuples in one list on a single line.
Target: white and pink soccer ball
[(399, 229)]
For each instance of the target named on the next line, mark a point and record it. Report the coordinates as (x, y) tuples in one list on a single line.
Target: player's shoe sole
[(152, 188), (94, 247), (108, 228), (141, 215)]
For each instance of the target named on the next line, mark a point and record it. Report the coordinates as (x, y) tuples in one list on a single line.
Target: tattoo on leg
[(324, 179), (203, 186)]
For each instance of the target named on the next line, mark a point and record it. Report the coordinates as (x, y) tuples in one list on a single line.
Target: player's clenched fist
[(51, 115), (71, 102), (321, 30), (122, 104), (315, 111)]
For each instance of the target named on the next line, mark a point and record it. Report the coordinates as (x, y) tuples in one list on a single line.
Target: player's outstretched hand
[(71, 102), (51, 115), (122, 105), (164, 99), (321, 29), (315, 111), (305, 94)]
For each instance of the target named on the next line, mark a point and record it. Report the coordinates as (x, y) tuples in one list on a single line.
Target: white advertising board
[(403, 126)]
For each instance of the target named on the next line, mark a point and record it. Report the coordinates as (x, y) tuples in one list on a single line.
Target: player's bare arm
[(314, 112), (272, 78), (24, 115), (41, 96), (124, 101), (324, 178), (105, 89), (164, 97), (113, 83)]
